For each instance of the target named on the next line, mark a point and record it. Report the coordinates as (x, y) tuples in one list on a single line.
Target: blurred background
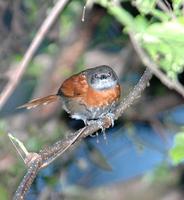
[(140, 158)]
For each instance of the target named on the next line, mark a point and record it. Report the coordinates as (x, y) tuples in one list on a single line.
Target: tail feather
[(40, 101)]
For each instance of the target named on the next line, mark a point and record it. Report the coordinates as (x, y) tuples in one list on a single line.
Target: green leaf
[(145, 6), (162, 37), (177, 4), (177, 151), (141, 24), (165, 44)]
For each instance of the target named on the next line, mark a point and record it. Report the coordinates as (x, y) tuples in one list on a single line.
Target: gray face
[(101, 77)]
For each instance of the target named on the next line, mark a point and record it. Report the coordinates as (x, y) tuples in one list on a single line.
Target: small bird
[(89, 95)]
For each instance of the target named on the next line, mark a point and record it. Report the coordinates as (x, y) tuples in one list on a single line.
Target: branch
[(46, 25), (170, 83), (48, 155)]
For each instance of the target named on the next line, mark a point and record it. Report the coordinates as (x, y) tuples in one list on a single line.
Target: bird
[(89, 95)]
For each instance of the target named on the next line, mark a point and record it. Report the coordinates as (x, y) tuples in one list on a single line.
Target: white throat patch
[(104, 84)]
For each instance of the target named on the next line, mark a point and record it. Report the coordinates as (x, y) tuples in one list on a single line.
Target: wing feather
[(74, 86)]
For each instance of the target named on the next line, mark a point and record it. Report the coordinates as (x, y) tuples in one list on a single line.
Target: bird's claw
[(111, 117)]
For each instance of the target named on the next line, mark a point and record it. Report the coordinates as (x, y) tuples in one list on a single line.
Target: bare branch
[(28, 179), (59, 6), (48, 155), (170, 83)]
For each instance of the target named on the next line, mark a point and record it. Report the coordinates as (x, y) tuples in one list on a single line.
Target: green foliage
[(161, 175), (4, 193), (177, 151), (51, 180), (145, 6), (177, 4), (161, 35), (34, 70), (165, 43)]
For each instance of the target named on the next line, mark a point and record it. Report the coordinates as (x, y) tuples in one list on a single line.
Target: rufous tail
[(40, 101)]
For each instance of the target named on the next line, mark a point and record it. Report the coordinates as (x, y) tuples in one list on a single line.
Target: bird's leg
[(100, 124), (111, 117)]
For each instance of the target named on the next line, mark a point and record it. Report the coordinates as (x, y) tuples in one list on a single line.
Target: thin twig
[(170, 83), (18, 145), (48, 155), (14, 80), (83, 13)]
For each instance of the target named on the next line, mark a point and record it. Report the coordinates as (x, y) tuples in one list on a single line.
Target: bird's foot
[(99, 124), (111, 117)]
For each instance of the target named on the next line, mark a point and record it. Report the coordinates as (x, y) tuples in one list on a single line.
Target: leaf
[(141, 23), (177, 151), (165, 44), (177, 4), (145, 6)]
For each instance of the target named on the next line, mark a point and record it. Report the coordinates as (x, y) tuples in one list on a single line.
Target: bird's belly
[(79, 110)]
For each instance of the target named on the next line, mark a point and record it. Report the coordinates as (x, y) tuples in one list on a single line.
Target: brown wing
[(74, 86)]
